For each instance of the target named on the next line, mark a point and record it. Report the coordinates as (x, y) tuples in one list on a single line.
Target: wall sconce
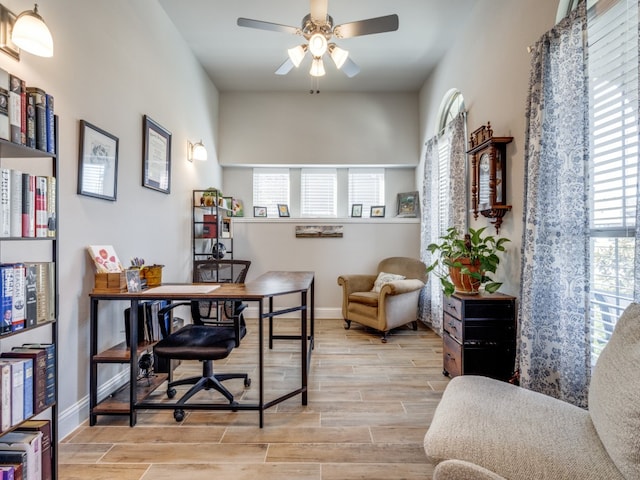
[(27, 31), (196, 151)]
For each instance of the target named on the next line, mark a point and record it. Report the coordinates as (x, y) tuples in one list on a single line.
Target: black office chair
[(216, 330)]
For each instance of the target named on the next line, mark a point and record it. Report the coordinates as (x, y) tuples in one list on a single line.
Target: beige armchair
[(396, 302)]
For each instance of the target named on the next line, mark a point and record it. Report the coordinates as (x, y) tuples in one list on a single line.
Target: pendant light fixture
[(31, 34)]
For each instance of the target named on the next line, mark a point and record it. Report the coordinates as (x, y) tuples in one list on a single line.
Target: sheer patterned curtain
[(554, 349), (444, 205)]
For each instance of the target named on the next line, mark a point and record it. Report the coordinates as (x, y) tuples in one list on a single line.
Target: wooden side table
[(479, 335)]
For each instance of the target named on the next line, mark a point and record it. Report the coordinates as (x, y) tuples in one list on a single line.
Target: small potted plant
[(463, 262)]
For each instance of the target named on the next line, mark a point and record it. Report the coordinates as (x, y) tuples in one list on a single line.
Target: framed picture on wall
[(283, 210), (97, 163), (356, 210), (156, 157), (377, 211), (408, 204)]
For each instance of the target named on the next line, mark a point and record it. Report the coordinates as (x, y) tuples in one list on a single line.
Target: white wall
[(490, 66), (114, 62), (321, 129)]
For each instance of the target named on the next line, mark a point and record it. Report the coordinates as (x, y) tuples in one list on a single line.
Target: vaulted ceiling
[(245, 59)]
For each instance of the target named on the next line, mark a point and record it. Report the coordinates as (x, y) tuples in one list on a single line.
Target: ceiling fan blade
[(350, 68), (319, 11), (274, 27), (388, 23), (285, 67)]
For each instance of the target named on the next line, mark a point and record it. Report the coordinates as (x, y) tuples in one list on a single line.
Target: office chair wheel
[(247, 382), (178, 415), (171, 392)]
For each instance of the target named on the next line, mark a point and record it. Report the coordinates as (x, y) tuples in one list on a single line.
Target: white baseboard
[(74, 416)]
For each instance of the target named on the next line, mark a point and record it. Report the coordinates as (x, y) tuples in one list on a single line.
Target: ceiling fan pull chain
[(315, 88)]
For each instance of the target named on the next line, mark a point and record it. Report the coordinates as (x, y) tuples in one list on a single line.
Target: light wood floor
[(369, 407)]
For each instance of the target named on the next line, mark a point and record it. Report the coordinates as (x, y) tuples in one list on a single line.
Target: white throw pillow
[(385, 278)]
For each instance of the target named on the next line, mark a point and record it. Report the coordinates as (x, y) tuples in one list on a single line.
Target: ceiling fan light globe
[(317, 68), (317, 44), (338, 55), (296, 54)]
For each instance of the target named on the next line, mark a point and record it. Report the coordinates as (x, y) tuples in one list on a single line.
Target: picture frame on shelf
[(260, 212), (356, 210), (408, 204), (156, 156), (377, 211), (97, 162), (283, 210)]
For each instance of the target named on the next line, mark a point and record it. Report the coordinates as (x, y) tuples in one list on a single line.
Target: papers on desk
[(180, 289)]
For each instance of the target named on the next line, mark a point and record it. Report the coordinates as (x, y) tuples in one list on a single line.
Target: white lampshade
[(338, 55), (317, 67), (197, 152), (296, 54), (318, 44), (31, 34)]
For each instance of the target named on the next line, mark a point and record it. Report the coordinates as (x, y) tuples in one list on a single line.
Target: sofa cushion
[(383, 278), (614, 393), (516, 433), (366, 298)]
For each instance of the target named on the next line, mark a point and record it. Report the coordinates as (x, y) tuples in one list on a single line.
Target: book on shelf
[(30, 296), (5, 202), (51, 206), (5, 397), (16, 203), (17, 390), (227, 229), (44, 427), (45, 277), (18, 300), (40, 106), (50, 381), (209, 226), (6, 298), (105, 258), (27, 384), (51, 133), (30, 134), (41, 214), (28, 205), (38, 358), (31, 444), (15, 108), (23, 112), (16, 458), (4, 105)]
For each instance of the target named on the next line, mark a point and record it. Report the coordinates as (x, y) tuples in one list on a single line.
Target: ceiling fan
[(318, 29)]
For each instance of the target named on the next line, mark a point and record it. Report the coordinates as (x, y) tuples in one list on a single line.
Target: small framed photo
[(133, 280), (283, 210), (260, 212), (97, 163), (377, 211), (156, 157), (356, 210), (408, 204)]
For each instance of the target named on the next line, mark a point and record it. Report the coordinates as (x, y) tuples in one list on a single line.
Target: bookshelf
[(42, 330), (212, 235)]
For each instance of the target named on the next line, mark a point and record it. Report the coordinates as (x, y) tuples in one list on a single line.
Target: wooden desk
[(267, 286)]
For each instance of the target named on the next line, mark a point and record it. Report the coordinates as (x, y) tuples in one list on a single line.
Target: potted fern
[(464, 261)]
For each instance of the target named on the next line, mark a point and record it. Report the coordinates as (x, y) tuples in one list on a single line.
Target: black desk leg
[(261, 362), (133, 361), (303, 345), (93, 383)]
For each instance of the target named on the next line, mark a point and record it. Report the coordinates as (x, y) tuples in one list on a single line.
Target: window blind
[(319, 190), (613, 94), (270, 187), (366, 186)]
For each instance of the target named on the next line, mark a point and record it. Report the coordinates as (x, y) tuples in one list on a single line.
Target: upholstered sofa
[(487, 429), (386, 299)]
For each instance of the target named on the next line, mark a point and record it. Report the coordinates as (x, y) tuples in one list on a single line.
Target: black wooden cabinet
[(479, 335)]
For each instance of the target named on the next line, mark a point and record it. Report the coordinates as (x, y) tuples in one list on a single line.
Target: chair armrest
[(462, 470), (398, 287), (356, 283)]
